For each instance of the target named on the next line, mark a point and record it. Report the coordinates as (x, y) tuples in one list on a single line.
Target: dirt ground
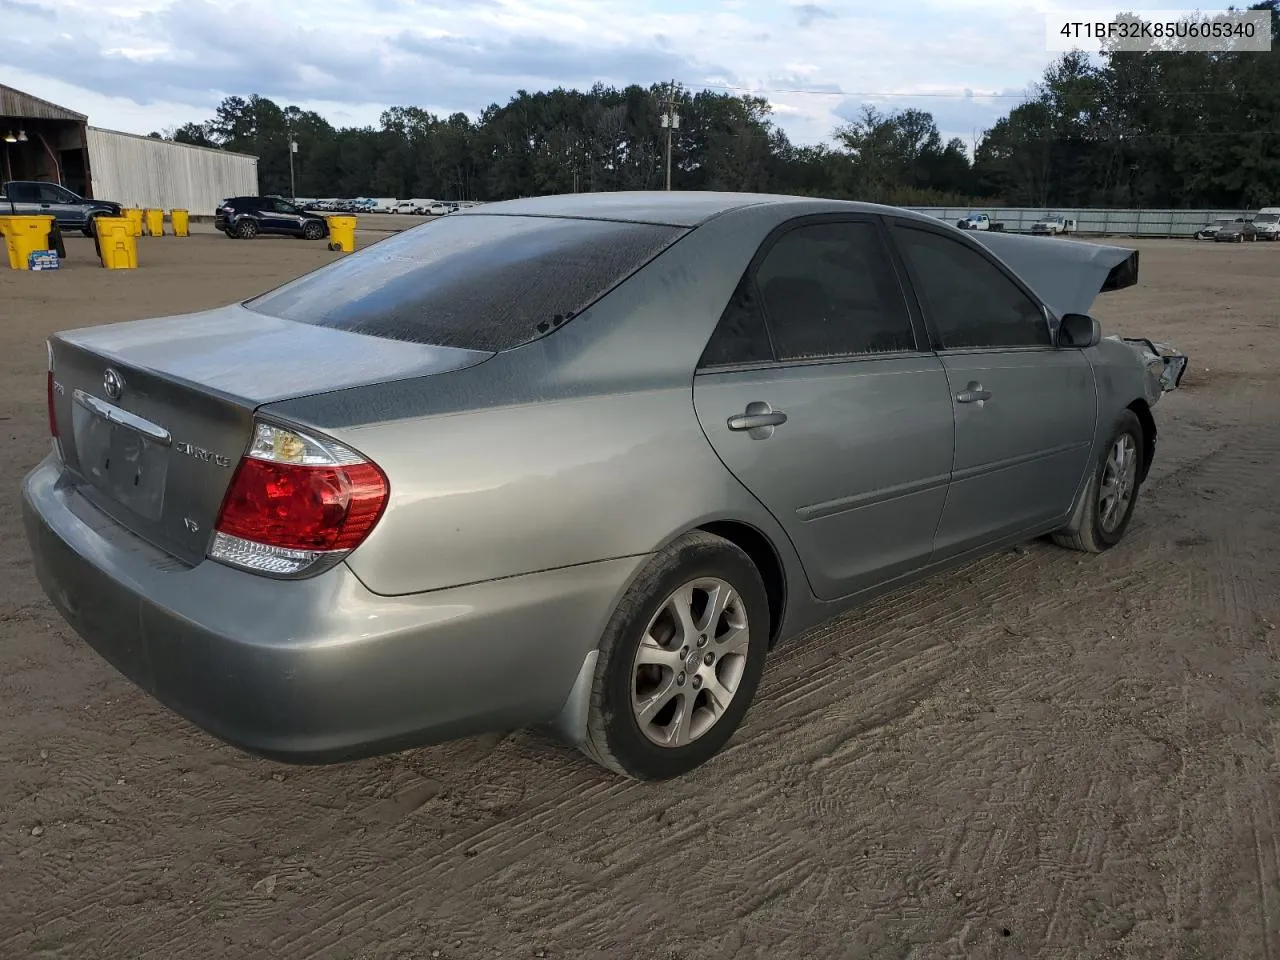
[(1039, 755)]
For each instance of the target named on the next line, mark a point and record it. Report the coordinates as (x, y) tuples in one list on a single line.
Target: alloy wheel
[(690, 662), (1119, 479)]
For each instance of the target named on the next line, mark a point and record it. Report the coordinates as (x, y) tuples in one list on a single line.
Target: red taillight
[(53, 415), (296, 504), (302, 507)]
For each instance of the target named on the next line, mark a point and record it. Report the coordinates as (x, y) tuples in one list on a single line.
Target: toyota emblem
[(112, 384)]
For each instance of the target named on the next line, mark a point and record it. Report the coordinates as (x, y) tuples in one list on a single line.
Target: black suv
[(70, 211), (246, 217)]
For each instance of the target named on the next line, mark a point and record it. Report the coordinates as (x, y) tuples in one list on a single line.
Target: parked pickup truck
[(27, 198), (979, 221), (1053, 225)]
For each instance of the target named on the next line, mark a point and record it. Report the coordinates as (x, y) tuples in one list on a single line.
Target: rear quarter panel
[(578, 447)]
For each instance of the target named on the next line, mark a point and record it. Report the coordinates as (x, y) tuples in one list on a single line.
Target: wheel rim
[(690, 663), (248, 228), (1119, 478), (313, 231)]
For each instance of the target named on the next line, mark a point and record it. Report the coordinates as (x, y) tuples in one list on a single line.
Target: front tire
[(246, 229), (312, 230), (1102, 516), (679, 661)]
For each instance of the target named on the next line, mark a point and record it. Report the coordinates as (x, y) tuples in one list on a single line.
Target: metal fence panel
[(1094, 220)]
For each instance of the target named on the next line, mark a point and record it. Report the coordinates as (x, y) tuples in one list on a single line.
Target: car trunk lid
[(152, 416)]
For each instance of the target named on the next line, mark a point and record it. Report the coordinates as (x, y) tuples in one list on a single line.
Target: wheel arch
[(1142, 411), (756, 545)]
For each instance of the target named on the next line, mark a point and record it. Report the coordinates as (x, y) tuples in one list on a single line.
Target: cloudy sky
[(145, 65)]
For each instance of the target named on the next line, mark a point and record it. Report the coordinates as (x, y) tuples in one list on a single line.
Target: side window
[(741, 335), (24, 193), (52, 193), (830, 290), (970, 300)]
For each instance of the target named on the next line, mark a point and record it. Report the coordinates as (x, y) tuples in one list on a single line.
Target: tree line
[(1158, 129)]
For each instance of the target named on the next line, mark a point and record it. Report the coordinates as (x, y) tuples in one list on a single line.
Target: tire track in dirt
[(1086, 850), (1033, 729)]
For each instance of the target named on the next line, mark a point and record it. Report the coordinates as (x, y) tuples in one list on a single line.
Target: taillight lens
[(297, 504)]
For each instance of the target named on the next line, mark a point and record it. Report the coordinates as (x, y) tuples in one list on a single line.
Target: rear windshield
[(477, 282)]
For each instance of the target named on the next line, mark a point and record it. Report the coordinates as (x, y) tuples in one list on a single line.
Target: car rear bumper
[(317, 670)]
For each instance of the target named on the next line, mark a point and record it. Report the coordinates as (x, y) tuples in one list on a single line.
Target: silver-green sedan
[(579, 462)]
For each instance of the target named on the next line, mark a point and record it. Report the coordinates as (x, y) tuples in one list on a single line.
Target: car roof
[(676, 208)]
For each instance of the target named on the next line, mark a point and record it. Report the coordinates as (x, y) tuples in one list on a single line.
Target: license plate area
[(124, 456)]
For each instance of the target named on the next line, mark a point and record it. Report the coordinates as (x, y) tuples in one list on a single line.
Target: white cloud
[(149, 64)]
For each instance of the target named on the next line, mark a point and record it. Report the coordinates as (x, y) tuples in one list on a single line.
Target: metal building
[(146, 172), (43, 141)]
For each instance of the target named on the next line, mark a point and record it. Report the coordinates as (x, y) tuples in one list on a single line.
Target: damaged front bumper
[(1165, 365)]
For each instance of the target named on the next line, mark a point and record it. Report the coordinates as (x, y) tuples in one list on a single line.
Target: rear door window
[(830, 290), (479, 282)]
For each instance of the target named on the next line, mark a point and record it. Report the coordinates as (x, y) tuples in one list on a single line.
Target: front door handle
[(758, 420), (973, 393)]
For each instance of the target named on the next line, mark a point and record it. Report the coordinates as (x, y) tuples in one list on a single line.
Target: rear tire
[(700, 608), (1102, 515)]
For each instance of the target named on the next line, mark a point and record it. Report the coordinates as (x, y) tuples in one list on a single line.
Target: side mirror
[(1079, 330)]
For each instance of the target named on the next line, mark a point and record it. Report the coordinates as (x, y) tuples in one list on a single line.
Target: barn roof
[(15, 103)]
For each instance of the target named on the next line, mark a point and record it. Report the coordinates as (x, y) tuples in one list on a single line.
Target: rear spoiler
[(1068, 275)]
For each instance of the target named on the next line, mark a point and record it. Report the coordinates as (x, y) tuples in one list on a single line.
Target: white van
[(1267, 223)]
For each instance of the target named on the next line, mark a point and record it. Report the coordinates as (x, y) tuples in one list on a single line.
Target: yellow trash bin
[(134, 215), (342, 233), (23, 236), (117, 246), (155, 222), (179, 220)]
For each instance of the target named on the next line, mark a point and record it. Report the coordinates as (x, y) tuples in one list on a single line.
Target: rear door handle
[(973, 393), (759, 418)]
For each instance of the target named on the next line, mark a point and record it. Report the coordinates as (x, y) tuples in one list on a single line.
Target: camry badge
[(112, 384)]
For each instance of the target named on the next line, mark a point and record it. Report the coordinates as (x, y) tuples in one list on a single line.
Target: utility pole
[(293, 148), (670, 123)]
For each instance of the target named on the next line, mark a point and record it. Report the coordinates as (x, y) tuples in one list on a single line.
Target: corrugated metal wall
[(1129, 223), (145, 172)]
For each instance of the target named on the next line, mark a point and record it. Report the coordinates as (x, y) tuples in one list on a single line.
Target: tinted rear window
[(477, 282)]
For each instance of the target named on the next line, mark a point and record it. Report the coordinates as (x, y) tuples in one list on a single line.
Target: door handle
[(973, 393), (759, 418)]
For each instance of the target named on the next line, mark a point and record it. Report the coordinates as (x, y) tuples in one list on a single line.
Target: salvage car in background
[(1052, 225), (1236, 231), (244, 218), (1210, 230), (70, 211), (1267, 223), (579, 461)]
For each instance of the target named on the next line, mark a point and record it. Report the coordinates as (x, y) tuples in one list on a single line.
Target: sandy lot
[(1039, 755)]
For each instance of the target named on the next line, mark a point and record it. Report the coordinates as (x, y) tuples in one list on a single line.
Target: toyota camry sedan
[(574, 462)]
